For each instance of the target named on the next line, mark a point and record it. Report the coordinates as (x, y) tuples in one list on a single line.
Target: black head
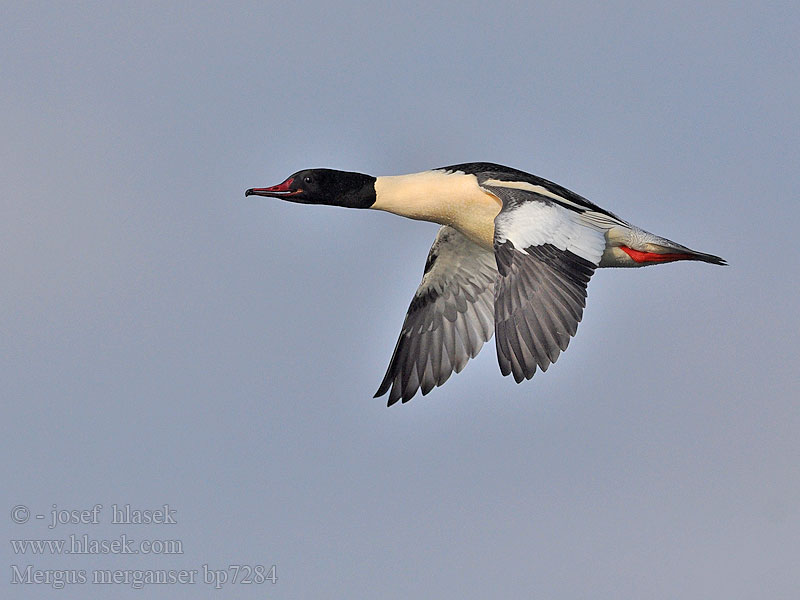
[(323, 186)]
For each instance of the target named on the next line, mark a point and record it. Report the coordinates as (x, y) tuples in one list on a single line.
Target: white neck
[(440, 197)]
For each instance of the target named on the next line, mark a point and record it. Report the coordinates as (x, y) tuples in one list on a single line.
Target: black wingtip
[(383, 388), (711, 259), (382, 392)]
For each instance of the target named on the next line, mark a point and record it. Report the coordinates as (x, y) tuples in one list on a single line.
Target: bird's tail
[(635, 247)]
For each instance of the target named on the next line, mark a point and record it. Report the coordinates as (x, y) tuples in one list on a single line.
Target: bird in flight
[(513, 258)]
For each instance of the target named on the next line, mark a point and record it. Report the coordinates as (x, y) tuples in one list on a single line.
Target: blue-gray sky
[(165, 340)]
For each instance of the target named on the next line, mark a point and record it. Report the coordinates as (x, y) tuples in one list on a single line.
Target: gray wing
[(545, 254), (449, 320)]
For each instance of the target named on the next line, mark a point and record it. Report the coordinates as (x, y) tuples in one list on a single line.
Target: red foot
[(651, 257)]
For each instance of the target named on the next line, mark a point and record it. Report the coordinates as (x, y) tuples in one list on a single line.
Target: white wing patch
[(535, 223)]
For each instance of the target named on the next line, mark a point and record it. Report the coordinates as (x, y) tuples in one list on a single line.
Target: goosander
[(513, 257)]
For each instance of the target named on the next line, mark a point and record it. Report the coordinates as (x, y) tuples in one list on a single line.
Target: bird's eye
[(308, 179)]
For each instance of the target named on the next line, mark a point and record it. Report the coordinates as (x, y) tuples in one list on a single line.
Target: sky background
[(165, 340)]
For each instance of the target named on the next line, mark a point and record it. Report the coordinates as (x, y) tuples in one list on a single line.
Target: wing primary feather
[(541, 288), (449, 318)]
